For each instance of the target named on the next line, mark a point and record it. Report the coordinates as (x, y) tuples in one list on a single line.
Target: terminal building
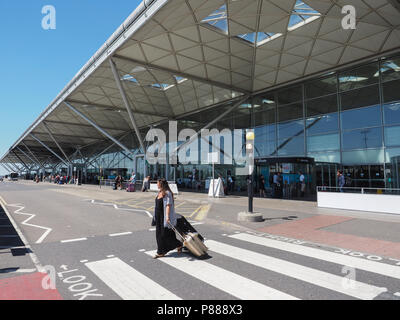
[(321, 95)]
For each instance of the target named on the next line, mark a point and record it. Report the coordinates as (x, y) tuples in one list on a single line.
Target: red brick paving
[(307, 229), (27, 287)]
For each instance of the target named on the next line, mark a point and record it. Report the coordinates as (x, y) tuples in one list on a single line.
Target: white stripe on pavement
[(120, 234), (128, 283), (73, 240), (316, 277), (229, 282), (367, 265)]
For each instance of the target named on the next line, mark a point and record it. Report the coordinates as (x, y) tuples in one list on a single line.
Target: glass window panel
[(391, 91), (322, 105), (322, 124), (266, 132), (360, 157), (321, 87), (291, 147), (290, 112), (362, 139), (392, 153), (392, 113), (390, 69), (360, 77), (290, 129), (331, 157), (264, 111), (359, 118), (326, 142), (364, 97), (392, 136), (264, 147), (290, 95)]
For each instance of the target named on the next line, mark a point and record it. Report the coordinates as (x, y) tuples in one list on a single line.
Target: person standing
[(302, 184), (164, 217), (262, 186), (341, 180)]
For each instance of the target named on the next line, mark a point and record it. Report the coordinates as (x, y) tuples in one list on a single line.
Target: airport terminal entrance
[(290, 169)]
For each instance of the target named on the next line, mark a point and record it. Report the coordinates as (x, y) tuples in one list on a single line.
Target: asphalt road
[(103, 250)]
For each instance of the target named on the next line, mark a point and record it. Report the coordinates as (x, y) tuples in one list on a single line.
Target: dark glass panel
[(391, 91), (364, 97), (390, 69), (322, 105), (321, 87), (290, 95), (290, 112), (359, 77)]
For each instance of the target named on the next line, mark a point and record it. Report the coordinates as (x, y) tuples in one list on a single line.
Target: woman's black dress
[(166, 238)]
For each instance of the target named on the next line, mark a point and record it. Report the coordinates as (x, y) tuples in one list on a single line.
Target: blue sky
[(36, 64)]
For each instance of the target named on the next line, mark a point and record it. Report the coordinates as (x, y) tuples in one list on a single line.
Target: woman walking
[(164, 215)]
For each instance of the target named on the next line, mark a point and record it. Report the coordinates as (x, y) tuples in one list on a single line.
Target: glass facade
[(348, 120)]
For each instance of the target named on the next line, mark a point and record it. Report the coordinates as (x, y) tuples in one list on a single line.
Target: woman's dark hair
[(164, 187)]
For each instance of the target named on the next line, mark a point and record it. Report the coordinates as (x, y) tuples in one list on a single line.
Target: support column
[(126, 103), (55, 141), (30, 151), (51, 151), (97, 127)]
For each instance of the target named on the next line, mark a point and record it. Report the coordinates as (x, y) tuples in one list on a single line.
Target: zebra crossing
[(129, 283)]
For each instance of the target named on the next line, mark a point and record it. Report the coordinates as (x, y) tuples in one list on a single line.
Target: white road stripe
[(232, 283), (127, 282), (73, 240), (362, 264), (316, 277), (120, 234)]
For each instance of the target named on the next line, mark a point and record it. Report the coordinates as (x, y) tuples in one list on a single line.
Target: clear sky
[(36, 64)]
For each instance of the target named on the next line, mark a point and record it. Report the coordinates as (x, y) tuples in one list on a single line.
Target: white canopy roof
[(176, 57)]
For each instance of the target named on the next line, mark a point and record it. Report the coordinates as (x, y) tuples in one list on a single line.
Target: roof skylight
[(259, 38), (161, 86), (302, 14), (130, 78), (218, 19)]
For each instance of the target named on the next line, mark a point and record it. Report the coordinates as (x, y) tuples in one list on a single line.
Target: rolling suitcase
[(185, 227), (192, 242), (130, 188)]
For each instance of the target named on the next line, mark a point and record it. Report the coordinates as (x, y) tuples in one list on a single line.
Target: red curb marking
[(307, 229), (27, 287)]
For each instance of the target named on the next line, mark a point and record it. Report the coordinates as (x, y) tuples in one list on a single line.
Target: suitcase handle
[(176, 231)]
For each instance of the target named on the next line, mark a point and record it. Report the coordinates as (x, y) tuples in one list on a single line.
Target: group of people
[(118, 182), (280, 188)]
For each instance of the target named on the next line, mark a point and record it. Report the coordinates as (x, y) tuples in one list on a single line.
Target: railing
[(360, 190)]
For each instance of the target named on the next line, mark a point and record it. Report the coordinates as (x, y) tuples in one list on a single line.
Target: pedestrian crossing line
[(366, 265), (224, 280), (316, 277), (127, 282)]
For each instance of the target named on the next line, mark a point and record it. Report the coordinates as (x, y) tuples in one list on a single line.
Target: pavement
[(60, 242)]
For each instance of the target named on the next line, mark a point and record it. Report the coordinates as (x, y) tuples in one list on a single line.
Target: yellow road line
[(202, 214), (3, 201)]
